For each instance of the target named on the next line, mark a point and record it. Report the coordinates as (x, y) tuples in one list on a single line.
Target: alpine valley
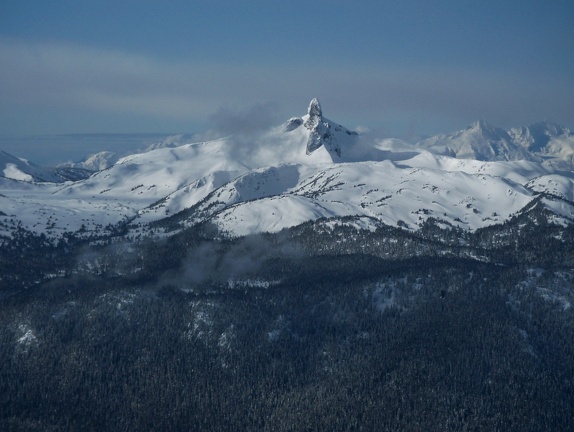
[(306, 277)]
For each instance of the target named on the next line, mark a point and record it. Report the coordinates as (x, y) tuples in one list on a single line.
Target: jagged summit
[(539, 137), (487, 130), (314, 109), (322, 132), (480, 141), (319, 129)]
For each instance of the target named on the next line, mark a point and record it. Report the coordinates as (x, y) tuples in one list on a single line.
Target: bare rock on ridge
[(320, 133)]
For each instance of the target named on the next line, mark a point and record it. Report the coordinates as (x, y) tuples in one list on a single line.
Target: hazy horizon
[(75, 147), (398, 68)]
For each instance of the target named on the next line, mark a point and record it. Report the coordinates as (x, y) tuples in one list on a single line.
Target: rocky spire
[(319, 130), (315, 115), (314, 109), (322, 132)]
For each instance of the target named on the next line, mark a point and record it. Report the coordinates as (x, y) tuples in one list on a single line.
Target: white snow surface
[(285, 196), (96, 162), (551, 142), (480, 141), (272, 181), (16, 168)]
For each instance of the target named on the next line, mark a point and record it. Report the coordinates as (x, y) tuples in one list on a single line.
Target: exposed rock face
[(314, 109), (293, 124), (540, 137), (322, 132), (319, 129)]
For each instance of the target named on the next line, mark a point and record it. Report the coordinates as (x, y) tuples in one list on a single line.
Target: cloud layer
[(68, 88)]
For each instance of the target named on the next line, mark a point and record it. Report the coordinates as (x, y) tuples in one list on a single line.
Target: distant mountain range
[(306, 169), (543, 142), (16, 168), (105, 159)]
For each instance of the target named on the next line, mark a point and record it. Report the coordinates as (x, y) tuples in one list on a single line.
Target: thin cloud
[(247, 121), (95, 83), (73, 76)]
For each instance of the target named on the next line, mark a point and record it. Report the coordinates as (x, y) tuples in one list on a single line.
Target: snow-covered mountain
[(480, 141), (306, 169), (551, 142), (15, 168), (537, 136), (544, 142), (96, 162), (170, 141), (105, 159)]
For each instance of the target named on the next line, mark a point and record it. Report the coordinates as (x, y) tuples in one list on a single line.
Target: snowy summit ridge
[(479, 141), (318, 128), (322, 132)]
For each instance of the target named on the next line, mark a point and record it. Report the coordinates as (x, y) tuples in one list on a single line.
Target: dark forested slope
[(314, 328)]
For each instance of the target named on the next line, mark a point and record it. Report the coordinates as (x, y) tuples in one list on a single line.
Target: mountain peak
[(323, 133), (485, 127), (553, 142), (320, 133), (480, 141), (314, 109), (488, 132)]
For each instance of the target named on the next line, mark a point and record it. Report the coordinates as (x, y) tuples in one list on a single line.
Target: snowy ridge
[(542, 142), (537, 137), (381, 191), (557, 185), (96, 162), (551, 142), (479, 141), (306, 169), (20, 169)]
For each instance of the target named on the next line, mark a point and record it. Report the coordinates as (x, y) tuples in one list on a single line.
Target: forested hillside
[(320, 327)]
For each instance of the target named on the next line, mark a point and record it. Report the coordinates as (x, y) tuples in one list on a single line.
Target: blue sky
[(402, 68)]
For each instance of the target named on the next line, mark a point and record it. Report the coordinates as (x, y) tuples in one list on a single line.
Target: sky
[(401, 68)]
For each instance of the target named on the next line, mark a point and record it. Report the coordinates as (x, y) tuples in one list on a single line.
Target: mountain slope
[(551, 142), (479, 141), (105, 159), (305, 169), (270, 199), (20, 169), (96, 162)]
